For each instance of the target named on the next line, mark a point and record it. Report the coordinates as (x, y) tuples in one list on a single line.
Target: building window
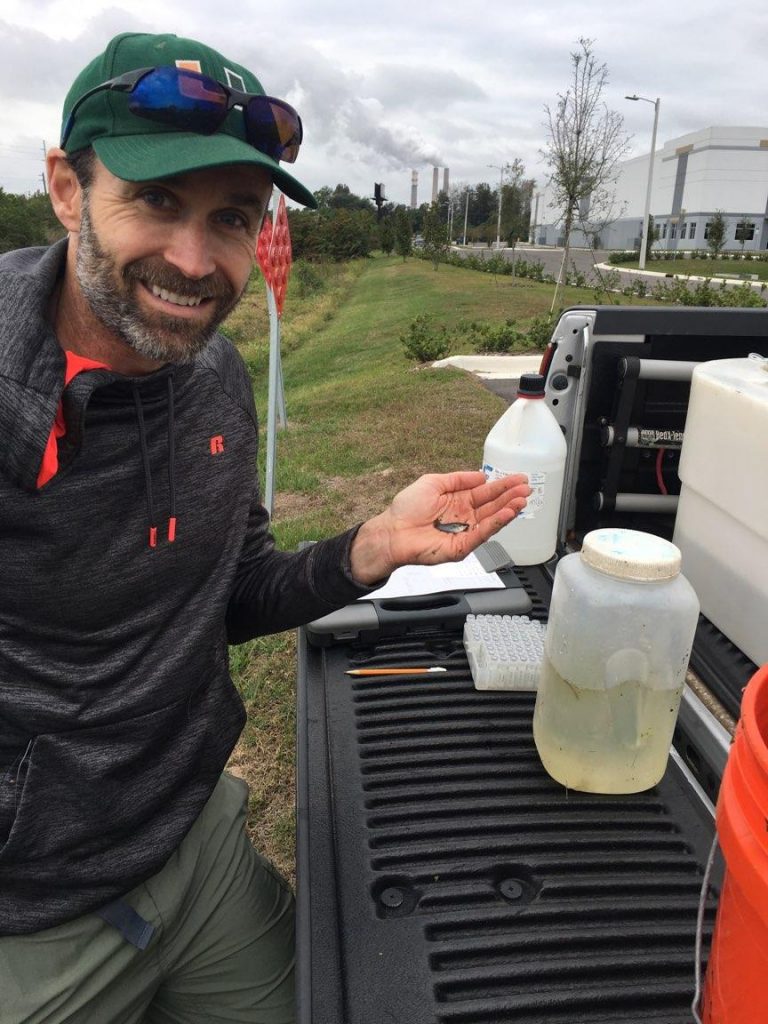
[(692, 229), (707, 226), (682, 230), (673, 231), (745, 231), (664, 230)]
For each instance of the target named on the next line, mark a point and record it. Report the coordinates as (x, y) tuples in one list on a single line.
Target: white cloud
[(386, 87)]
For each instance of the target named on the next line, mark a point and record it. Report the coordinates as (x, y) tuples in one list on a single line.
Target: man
[(134, 548)]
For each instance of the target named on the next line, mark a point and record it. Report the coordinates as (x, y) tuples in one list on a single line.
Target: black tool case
[(443, 877)]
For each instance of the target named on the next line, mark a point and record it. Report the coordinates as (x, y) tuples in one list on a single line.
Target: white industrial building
[(694, 175)]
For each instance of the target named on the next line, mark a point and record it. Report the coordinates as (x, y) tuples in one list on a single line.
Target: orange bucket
[(737, 972)]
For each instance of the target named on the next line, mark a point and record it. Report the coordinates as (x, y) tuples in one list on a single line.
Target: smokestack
[(434, 184), (414, 188), (445, 180)]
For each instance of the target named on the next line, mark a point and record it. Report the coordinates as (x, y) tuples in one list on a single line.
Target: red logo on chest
[(217, 444)]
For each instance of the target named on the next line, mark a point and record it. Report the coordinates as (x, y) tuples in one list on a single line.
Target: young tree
[(742, 231), (715, 234), (482, 206), (386, 236), (653, 235), (586, 141), (349, 234), (435, 240), (402, 233), (516, 203), (322, 196)]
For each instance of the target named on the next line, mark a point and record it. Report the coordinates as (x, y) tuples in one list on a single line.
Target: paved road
[(583, 259), (506, 389)]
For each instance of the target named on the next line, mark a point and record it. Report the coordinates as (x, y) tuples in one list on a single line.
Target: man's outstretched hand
[(407, 533)]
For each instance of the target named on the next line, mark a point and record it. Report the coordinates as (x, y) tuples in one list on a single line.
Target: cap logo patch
[(190, 65), (234, 81)]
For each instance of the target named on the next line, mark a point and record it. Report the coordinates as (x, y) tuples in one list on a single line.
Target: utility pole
[(45, 183), (379, 197), (535, 219), (502, 170), (466, 214)]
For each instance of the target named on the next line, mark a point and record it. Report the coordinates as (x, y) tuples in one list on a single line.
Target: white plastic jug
[(618, 641), (722, 516), (528, 439)]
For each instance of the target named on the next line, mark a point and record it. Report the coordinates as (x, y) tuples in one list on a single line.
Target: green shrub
[(423, 342), (540, 330), (625, 257), (487, 337), (575, 277), (640, 288), (532, 269), (608, 282), (704, 294), (309, 279)]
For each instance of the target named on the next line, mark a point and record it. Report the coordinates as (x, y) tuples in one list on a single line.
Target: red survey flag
[(280, 256), (262, 249)]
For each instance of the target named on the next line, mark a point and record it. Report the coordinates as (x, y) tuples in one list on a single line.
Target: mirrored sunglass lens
[(273, 129), (182, 99)]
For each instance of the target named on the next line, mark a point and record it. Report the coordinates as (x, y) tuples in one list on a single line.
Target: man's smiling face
[(161, 264)]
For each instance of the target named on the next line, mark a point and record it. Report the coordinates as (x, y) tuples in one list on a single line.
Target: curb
[(760, 285)]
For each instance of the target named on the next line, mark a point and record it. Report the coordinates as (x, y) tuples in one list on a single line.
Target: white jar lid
[(631, 555)]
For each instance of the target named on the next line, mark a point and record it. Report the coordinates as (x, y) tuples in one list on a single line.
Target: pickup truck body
[(443, 877)]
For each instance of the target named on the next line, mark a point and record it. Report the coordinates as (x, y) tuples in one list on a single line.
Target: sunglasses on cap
[(193, 102)]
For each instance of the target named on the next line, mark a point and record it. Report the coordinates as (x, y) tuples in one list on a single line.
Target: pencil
[(391, 671)]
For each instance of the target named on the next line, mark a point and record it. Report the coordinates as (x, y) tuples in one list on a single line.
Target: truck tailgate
[(444, 878)]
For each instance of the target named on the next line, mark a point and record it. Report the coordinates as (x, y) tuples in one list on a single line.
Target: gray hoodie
[(117, 711)]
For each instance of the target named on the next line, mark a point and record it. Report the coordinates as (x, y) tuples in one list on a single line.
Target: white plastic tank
[(528, 439), (721, 525), (616, 650)]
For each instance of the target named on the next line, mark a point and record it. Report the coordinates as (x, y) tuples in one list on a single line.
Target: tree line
[(27, 220), (344, 226)]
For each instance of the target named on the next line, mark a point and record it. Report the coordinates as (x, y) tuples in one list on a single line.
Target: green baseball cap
[(135, 149)]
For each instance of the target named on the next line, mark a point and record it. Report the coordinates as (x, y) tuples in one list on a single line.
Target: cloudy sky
[(387, 87)]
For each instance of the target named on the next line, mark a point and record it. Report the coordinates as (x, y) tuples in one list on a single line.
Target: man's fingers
[(491, 508), (497, 492)]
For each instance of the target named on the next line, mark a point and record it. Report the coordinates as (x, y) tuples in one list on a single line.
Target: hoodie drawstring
[(147, 468), (171, 466)]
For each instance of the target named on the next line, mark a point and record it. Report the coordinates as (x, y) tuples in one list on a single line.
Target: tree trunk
[(564, 264)]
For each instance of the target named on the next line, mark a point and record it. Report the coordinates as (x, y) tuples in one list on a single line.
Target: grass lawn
[(362, 423)]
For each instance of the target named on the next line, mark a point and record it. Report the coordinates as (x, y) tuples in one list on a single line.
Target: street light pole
[(535, 219), (501, 170), (466, 215), (646, 215)]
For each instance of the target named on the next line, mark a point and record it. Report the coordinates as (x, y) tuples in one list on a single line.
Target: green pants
[(222, 949)]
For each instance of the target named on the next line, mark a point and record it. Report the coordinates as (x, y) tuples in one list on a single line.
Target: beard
[(111, 295)]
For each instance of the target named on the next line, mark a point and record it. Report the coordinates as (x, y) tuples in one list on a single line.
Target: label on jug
[(537, 483)]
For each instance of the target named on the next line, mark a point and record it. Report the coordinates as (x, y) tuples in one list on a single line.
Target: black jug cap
[(531, 386)]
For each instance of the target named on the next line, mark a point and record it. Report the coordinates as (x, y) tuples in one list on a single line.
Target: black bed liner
[(444, 878)]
